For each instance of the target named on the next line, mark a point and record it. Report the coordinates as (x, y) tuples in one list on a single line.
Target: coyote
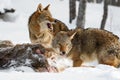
[(85, 45), (42, 27)]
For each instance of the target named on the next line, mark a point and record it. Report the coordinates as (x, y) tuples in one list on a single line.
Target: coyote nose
[(63, 53), (55, 21)]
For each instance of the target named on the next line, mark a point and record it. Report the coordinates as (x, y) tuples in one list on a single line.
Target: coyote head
[(44, 16), (62, 42), (41, 17)]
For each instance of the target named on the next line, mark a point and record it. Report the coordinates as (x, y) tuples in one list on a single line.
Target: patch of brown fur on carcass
[(6, 43)]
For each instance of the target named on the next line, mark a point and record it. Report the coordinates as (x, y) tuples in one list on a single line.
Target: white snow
[(17, 32), (5, 4), (60, 62)]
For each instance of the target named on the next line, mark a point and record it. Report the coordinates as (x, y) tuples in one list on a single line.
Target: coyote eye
[(59, 44), (67, 44)]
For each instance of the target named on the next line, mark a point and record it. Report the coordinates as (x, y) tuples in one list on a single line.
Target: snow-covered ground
[(17, 32)]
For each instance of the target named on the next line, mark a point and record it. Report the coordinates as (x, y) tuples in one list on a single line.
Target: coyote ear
[(39, 8), (46, 8), (72, 34)]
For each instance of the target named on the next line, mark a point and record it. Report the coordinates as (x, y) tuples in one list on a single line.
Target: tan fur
[(5, 43), (50, 53), (88, 45), (59, 26)]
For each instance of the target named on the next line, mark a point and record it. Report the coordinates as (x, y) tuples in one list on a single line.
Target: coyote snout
[(64, 48)]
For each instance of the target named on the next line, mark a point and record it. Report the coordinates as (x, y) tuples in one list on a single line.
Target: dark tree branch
[(81, 14), (7, 11), (105, 14), (72, 10)]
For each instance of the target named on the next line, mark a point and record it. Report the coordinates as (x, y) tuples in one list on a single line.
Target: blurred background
[(14, 15)]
